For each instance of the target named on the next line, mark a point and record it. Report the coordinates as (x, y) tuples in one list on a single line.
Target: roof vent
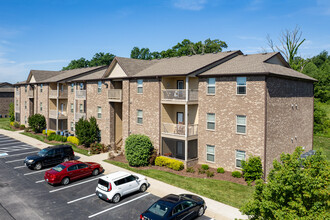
[(264, 53), (244, 54), (228, 51)]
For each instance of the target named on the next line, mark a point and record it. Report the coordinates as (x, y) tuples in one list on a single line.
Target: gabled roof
[(40, 75), (96, 75), (6, 87)]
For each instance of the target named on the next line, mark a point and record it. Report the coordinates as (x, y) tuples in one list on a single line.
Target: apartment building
[(215, 109), (6, 97)]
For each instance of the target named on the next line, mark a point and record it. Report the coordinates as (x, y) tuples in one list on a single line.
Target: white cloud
[(192, 5)]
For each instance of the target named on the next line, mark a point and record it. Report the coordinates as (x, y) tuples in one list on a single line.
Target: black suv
[(50, 156)]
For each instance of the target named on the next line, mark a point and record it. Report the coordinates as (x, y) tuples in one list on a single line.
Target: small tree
[(87, 131), (37, 122), (252, 169), (11, 112), (296, 189), (138, 149)]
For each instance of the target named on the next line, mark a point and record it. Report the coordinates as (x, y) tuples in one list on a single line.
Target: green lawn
[(323, 143), (4, 124), (232, 194), (42, 138)]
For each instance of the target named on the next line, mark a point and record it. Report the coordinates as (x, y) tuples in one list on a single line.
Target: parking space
[(26, 188)]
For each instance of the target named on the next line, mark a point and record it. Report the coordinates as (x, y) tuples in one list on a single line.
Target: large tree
[(99, 59), (75, 64)]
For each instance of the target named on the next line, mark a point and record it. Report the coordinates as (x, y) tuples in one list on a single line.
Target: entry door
[(179, 118), (179, 84), (179, 148)]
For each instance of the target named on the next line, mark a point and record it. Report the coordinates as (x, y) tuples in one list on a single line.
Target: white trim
[(137, 116), (210, 121), (241, 85), (210, 85), (241, 125), (210, 153), (238, 158), (139, 86)]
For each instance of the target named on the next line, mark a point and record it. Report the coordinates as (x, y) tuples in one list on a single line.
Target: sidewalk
[(215, 210)]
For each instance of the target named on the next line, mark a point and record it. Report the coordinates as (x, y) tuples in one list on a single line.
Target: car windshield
[(159, 209), (43, 152), (59, 168)]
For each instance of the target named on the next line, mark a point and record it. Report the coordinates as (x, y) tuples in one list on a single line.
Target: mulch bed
[(218, 176)]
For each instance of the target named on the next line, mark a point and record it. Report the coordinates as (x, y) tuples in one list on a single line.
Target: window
[(72, 126), (25, 119), (81, 86), (240, 155), (241, 85), (17, 89), (41, 85), (211, 86), (62, 87), (72, 87), (81, 109), (241, 124), (25, 105), (140, 86), (82, 166), (41, 106), (25, 88), (210, 121), (139, 116), (72, 168), (210, 153), (99, 86), (99, 112), (120, 182), (99, 136), (71, 107)]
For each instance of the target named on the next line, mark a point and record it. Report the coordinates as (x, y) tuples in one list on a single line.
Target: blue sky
[(47, 34)]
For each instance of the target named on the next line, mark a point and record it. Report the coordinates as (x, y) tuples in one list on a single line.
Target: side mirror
[(136, 177)]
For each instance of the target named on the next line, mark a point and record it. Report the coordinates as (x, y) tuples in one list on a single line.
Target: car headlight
[(30, 161)]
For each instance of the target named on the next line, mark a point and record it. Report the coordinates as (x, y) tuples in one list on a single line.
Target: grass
[(42, 138), (322, 143), (232, 194), (5, 124)]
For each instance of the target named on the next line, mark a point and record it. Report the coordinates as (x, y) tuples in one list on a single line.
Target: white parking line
[(19, 167), (9, 141), (25, 174), (1, 145), (40, 181), (12, 161), (81, 198), (5, 138), (14, 147), (13, 155), (55, 190), (106, 210), (18, 149)]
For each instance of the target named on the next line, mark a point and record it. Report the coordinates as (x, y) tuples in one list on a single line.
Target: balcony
[(30, 94), (115, 95), (63, 94), (53, 94), (80, 115), (178, 96), (17, 108), (81, 94), (177, 131), (54, 114), (17, 93)]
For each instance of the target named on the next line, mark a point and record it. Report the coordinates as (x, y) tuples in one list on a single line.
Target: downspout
[(265, 136), (186, 121), (74, 107), (57, 106)]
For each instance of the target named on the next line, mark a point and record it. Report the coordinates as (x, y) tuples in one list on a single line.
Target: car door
[(132, 184), (84, 170), (121, 184), (73, 172), (58, 156), (185, 210), (49, 157)]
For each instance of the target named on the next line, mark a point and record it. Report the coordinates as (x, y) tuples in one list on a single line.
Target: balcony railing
[(53, 94), (62, 94), (179, 129), (17, 93), (80, 115), (115, 95), (80, 94), (30, 94), (55, 114), (179, 95), (17, 108)]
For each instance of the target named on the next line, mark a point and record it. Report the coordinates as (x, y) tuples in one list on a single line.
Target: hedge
[(73, 140), (169, 162)]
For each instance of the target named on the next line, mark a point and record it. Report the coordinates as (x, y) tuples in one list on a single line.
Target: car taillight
[(141, 217), (109, 189)]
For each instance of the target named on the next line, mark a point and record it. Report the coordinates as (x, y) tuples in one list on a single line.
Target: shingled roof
[(97, 75), (6, 87), (41, 75)]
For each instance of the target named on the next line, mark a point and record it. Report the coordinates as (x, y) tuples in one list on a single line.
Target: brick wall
[(24, 111), (44, 98), (5, 99)]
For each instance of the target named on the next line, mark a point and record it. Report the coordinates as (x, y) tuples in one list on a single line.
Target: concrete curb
[(215, 210)]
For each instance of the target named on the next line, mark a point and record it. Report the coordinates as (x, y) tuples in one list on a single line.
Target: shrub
[(12, 124), (153, 157), (209, 173), (95, 148), (16, 124), (28, 129), (73, 140), (49, 132), (44, 132), (220, 170), (22, 127), (252, 169), (51, 137), (169, 162), (190, 170), (87, 132), (201, 171), (37, 122), (205, 166), (236, 174), (138, 149), (11, 112)]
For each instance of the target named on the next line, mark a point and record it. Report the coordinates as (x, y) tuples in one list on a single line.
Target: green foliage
[(44, 132), (97, 148), (220, 170), (37, 122), (184, 48), (252, 169), (209, 173), (55, 137), (22, 127), (236, 174), (11, 112), (73, 140), (321, 120), (16, 124), (138, 149), (51, 137), (190, 170), (201, 171), (49, 132), (169, 162), (205, 166), (296, 188), (87, 131), (99, 59)]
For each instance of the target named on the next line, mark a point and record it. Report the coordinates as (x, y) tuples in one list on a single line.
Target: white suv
[(115, 185)]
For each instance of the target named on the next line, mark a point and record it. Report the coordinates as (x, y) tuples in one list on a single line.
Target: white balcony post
[(186, 121), (74, 104), (57, 106)]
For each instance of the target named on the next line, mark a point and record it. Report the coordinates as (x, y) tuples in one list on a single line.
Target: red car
[(71, 170)]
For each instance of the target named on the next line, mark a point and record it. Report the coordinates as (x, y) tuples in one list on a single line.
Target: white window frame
[(72, 126), (140, 86), (207, 121), (25, 119), (81, 108), (240, 159), (99, 112), (237, 124), (72, 87), (82, 86), (210, 86), (72, 107), (210, 153), (139, 117), (41, 85), (237, 85), (41, 106), (99, 86)]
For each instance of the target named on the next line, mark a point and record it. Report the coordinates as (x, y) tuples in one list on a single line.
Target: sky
[(48, 34)]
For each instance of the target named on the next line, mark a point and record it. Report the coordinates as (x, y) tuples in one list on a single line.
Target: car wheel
[(95, 172), (143, 187), (116, 198), (201, 211), (38, 166), (65, 159), (65, 181)]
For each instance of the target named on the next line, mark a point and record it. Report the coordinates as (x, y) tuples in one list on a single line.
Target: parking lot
[(25, 195)]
